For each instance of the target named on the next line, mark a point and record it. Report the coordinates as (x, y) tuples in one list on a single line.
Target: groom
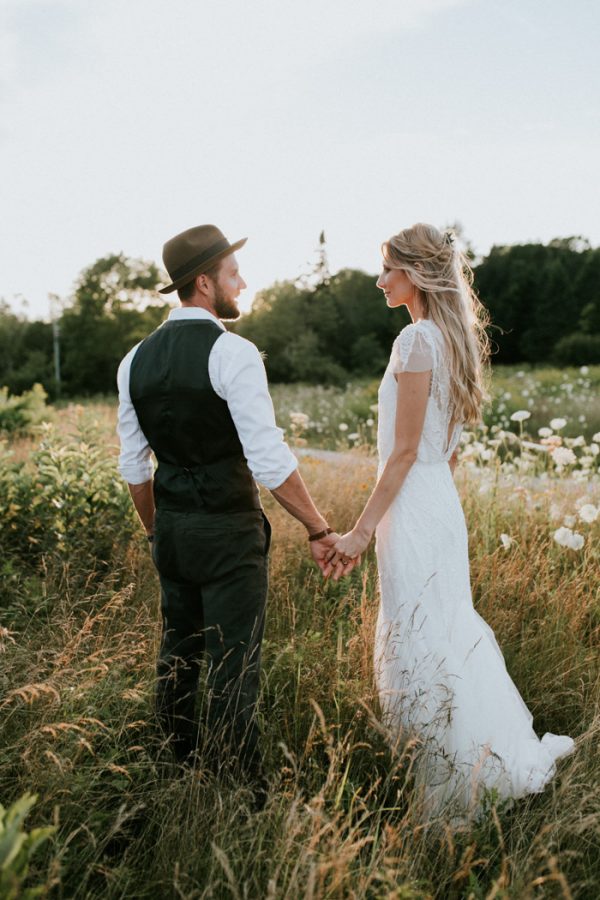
[(197, 397)]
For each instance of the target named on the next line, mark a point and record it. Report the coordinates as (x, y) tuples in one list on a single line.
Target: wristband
[(320, 535)]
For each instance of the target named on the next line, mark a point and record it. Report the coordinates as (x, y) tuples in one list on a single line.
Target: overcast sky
[(126, 121)]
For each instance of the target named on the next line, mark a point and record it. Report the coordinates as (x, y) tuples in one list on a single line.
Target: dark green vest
[(201, 464)]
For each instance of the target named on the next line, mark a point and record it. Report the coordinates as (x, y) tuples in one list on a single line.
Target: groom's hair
[(188, 290)]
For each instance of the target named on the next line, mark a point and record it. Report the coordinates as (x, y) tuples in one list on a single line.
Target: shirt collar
[(181, 313)]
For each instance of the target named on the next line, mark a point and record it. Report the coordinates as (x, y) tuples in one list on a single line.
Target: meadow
[(79, 634)]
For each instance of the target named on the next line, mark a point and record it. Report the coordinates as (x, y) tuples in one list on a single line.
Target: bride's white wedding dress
[(440, 673)]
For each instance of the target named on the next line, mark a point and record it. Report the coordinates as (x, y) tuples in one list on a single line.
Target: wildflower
[(567, 538), (299, 419), (557, 424), (370, 422), (544, 432), (374, 407), (594, 449), (554, 511), (584, 370), (563, 456), (569, 521), (589, 513), (520, 415), (506, 541), (342, 426), (596, 437), (354, 436)]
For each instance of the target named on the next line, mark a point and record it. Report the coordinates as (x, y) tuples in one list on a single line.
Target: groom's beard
[(225, 308)]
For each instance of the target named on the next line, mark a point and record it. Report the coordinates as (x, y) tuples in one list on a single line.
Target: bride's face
[(396, 286)]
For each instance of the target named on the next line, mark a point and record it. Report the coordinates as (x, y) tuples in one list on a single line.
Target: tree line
[(544, 302)]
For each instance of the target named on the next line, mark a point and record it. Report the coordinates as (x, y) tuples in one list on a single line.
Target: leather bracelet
[(320, 535)]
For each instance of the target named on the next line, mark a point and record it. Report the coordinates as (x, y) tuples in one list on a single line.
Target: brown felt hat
[(194, 251)]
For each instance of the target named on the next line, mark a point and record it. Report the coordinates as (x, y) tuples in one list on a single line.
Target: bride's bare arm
[(411, 406), (453, 461)]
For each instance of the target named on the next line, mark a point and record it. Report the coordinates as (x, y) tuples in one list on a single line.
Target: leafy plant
[(67, 501), (19, 413), (17, 847)]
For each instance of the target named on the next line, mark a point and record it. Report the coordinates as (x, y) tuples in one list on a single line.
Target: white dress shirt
[(237, 375)]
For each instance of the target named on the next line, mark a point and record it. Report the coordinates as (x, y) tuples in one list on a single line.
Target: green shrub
[(19, 413), (17, 847), (67, 502), (576, 349)]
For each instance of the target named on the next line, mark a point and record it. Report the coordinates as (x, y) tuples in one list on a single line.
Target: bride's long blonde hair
[(436, 266)]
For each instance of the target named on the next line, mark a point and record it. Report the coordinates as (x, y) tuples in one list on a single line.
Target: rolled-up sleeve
[(238, 376), (135, 459)]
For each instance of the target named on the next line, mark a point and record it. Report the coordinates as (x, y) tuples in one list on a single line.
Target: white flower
[(520, 415), (557, 424), (567, 538), (589, 513), (506, 541), (370, 422), (570, 521), (299, 418), (577, 541), (594, 449), (544, 432), (554, 511), (596, 437), (342, 426), (562, 456), (584, 370), (354, 436), (374, 407)]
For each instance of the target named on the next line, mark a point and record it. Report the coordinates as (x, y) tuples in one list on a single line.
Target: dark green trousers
[(214, 578)]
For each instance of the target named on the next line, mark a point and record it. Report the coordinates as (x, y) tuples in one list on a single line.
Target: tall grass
[(342, 817)]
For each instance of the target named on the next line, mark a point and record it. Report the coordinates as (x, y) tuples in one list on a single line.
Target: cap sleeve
[(413, 351)]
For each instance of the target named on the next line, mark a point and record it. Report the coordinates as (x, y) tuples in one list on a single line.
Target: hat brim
[(185, 279)]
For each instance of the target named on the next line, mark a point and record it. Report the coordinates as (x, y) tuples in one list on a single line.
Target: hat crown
[(184, 247)]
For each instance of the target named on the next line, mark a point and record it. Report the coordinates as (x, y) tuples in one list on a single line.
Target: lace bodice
[(419, 347)]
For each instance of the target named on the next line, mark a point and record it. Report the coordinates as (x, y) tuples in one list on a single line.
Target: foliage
[(113, 307), (67, 502), (18, 414), (537, 294), (17, 847), (322, 334), (577, 347), (25, 352)]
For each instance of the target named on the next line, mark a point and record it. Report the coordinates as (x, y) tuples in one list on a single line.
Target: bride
[(440, 673)]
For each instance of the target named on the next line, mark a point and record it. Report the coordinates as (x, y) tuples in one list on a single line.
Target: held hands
[(323, 551), (350, 546), (336, 556)]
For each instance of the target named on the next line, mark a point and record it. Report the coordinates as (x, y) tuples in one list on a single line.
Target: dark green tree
[(114, 305)]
